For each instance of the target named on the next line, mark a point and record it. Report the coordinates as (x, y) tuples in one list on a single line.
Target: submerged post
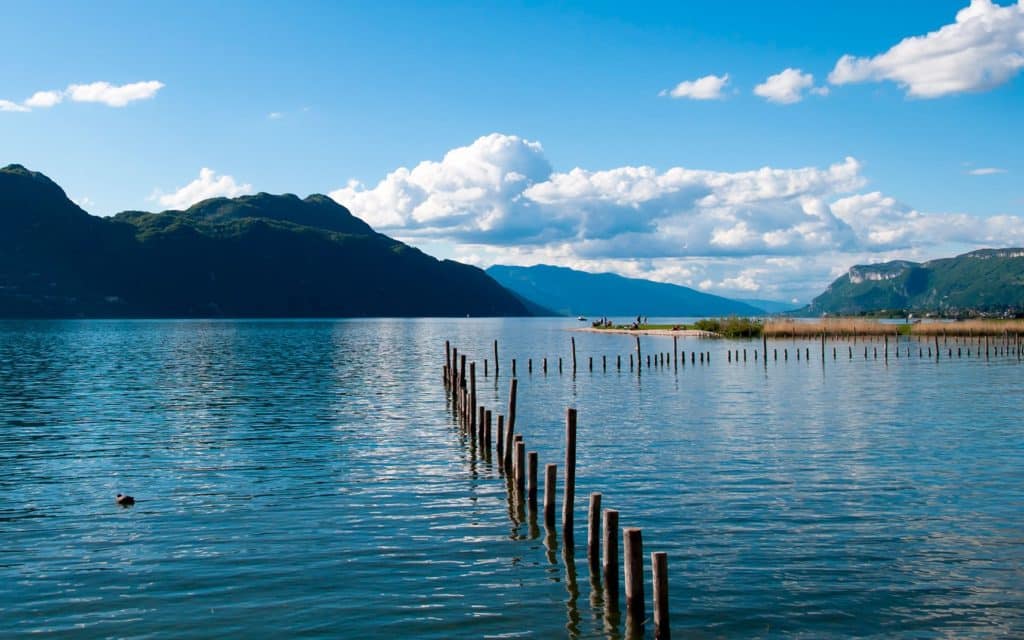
[(594, 533), (570, 476), (573, 340), (550, 478), (659, 580), (633, 552), (510, 428), (531, 478), (611, 559)]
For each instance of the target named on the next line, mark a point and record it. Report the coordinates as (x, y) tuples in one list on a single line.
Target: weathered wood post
[(519, 467), (510, 428), (497, 366), (531, 476), (550, 478), (472, 397), (545, 365), (487, 432), (611, 559), (447, 362), (501, 441), (639, 360), (569, 497), (481, 415), (659, 580), (573, 340), (513, 368), (675, 352), (590, 361), (633, 552), (529, 365), (559, 365), (594, 533), (604, 363)]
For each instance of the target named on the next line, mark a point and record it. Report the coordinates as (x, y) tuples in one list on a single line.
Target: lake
[(307, 479)]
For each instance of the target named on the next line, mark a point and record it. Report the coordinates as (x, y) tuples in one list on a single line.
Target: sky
[(750, 149)]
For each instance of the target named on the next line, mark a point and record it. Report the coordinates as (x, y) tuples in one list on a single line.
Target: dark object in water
[(124, 501)]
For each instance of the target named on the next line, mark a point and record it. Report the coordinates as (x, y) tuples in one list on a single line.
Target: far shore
[(689, 333)]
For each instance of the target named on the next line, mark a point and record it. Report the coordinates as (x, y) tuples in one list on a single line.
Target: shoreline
[(686, 333)]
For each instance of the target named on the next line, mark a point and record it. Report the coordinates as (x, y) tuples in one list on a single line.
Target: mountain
[(983, 281), (770, 306), (571, 292), (254, 256)]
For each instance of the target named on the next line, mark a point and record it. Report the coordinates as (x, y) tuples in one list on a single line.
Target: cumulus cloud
[(499, 200), (788, 86), (986, 171), (207, 185), (44, 99), (7, 105), (707, 88), (113, 95), (101, 92), (982, 49)]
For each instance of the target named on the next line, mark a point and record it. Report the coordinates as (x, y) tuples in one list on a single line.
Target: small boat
[(582, 319)]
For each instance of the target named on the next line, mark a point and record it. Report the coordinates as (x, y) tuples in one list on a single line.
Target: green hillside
[(254, 256), (987, 281)]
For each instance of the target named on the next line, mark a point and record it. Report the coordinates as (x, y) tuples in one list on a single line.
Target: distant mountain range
[(570, 292), (254, 256), (987, 280)]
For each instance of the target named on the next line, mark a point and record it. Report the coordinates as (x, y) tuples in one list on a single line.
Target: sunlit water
[(306, 479)]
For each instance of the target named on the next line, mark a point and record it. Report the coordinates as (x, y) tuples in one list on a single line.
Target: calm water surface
[(305, 479)]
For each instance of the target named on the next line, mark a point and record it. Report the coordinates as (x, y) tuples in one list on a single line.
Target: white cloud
[(785, 231), (788, 86), (112, 95), (44, 99), (207, 185), (7, 105), (982, 49), (986, 171), (707, 88), (275, 115)]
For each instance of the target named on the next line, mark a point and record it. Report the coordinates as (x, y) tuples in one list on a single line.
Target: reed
[(969, 328), (788, 328)]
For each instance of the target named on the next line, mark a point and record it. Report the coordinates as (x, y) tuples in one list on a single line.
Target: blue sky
[(305, 97)]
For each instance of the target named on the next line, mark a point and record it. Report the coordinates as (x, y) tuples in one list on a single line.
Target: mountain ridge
[(571, 292), (254, 256)]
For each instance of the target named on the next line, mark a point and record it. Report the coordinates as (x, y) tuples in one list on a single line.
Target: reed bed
[(969, 328), (787, 328)]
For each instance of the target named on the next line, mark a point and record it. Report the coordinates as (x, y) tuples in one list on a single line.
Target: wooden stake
[(569, 496), (531, 476), (633, 557), (611, 559), (594, 533), (550, 478), (659, 580), (573, 340)]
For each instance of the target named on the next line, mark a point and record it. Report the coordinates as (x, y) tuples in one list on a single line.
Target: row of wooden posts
[(475, 421), (1011, 345)]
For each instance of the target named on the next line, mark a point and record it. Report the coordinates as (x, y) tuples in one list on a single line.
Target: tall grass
[(786, 328), (968, 328)]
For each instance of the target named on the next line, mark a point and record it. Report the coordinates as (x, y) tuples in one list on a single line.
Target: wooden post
[(447, 362), (659, 580), (513, 368), (559, 364), (591, 361), (481, 414), (510, 428), (604, 363), (573, 340), (496, 361), (487, 431), (611, 559), (501, 440), (639, 360), (550, 478), (675, 352), (618, 362), (545, 365), (764, 345), (531, 476), (529, 365), (633, 558), (472, 397), (520, 466), (594, 533), (569, 496)]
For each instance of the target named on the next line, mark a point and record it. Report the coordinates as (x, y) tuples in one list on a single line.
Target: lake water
[(306, 479)]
